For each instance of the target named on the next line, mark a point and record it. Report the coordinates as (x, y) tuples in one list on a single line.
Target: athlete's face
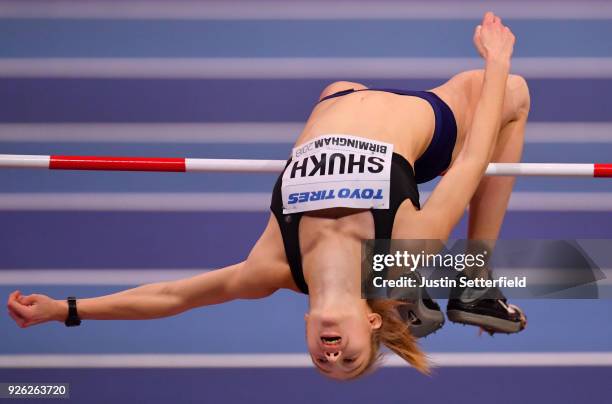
[(340, 343)]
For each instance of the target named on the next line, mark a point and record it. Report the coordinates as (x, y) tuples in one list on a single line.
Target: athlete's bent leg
[(486, 213), (488, 205)]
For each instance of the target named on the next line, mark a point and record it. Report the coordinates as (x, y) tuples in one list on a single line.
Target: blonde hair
[(396, 336)]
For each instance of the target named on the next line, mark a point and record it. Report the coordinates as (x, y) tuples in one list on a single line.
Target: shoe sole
[(487, 322), (431, 320)]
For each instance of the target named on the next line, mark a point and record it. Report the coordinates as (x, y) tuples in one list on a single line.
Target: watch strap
[(73, 319)]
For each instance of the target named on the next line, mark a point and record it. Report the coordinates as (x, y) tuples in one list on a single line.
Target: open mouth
[(331, 340)]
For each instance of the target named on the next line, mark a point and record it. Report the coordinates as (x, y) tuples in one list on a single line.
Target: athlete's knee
[(473, 78), (340, 86), (519, 90)]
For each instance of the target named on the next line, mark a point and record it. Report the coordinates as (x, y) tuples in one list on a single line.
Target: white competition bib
[(338, 171)]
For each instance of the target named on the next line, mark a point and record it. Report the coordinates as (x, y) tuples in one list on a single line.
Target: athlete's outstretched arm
[(259, 276), (148, 301), (451, 196)]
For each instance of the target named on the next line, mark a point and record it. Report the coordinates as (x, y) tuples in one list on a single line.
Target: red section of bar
[(603, 170), (117, 163)]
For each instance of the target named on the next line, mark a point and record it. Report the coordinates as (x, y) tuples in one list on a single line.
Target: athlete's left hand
[(493, 40)]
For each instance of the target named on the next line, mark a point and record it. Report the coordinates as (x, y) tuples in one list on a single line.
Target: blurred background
[(237, 79)]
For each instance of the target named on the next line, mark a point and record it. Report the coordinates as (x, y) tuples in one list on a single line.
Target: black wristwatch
[(73, 317)]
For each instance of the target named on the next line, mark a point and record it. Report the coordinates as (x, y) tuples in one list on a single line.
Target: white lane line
[(190, 10), (260, 201), (562, 132), (293, 68), (467, 359), (130, 277), (248, 132), (561, 201), (85, 276), (244, 132), (158, 202)]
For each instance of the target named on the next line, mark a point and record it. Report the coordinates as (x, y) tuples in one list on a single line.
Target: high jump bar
[(162, 164)]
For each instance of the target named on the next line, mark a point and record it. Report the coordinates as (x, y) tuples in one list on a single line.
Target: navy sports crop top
[(437, 157)]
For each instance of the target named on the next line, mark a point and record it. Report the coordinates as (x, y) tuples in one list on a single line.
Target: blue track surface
[(247, 327), (190, 100), (201, 239), (183, 240), (264, 386), (265, 38)]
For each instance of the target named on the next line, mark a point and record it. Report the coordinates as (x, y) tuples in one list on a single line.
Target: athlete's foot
[(419, 311), (486, 308)]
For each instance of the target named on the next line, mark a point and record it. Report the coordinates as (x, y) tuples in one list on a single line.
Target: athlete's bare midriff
[(406, 122)]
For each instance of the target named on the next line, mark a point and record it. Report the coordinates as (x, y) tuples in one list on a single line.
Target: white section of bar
[(234, 165), (300, 9), (24, 161), (249, 132), (541, 169), (296, 360), (294, 68)]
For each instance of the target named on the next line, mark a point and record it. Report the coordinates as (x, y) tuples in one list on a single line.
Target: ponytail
[(396, 336)]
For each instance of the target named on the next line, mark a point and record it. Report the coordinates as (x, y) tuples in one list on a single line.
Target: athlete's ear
[(306, 317), (375, 320)]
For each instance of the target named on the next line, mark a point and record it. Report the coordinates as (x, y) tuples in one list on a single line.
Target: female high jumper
[(358, 138)]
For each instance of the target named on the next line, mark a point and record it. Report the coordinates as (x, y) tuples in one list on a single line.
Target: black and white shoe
[(486, 308), (419, 311)]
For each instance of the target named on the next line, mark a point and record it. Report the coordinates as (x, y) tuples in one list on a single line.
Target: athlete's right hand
[(493, 40), (34, 309)]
